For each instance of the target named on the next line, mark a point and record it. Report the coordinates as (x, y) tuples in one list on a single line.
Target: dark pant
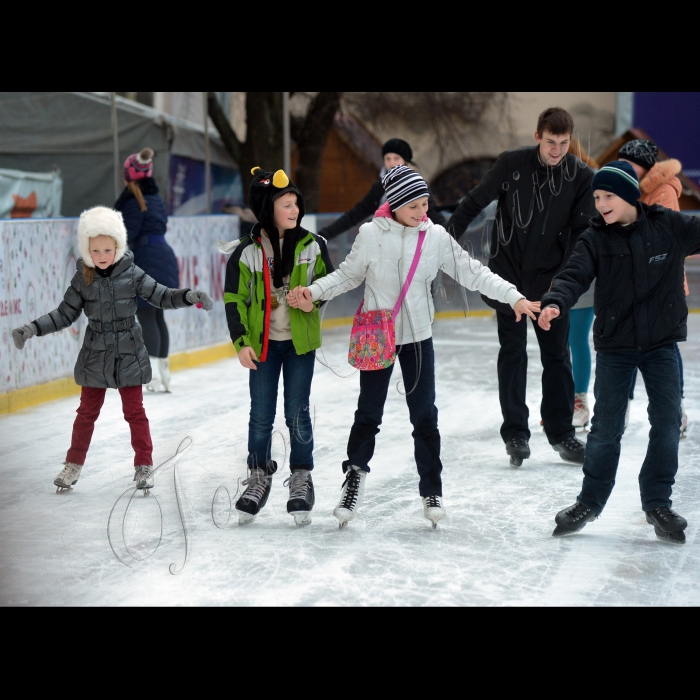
[(91, 401), (155, 331), (557, 407), (680, 372), (613, 376), (418, 369), (297, 371)]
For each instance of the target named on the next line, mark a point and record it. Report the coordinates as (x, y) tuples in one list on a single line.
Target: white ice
[(495, 548)]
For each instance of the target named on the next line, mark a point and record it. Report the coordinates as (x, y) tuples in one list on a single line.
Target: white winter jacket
[(382, 255)]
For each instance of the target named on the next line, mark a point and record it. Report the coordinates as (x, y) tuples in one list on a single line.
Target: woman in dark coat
[(146, 221)]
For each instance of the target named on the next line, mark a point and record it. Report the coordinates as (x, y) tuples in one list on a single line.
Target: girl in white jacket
[(382, 256)]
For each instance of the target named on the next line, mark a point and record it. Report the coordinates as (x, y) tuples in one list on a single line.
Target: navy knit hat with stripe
[(403, 185), (619, 178)]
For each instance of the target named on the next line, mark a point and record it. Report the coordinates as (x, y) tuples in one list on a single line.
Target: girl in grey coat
[(105, 286)]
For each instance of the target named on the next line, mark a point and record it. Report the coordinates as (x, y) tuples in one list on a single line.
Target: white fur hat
[(100, 221)]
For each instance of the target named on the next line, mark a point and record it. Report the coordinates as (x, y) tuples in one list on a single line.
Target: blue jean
[(579, 332), (297, 371), (418, 368), (680, 372), (613, 376)]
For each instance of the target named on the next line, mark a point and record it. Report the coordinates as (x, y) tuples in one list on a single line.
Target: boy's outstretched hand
[(22, 334), (300, 298), (246, 356), (526, 307), (547, 316)]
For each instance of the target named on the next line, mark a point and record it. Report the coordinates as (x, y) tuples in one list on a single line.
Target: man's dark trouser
[(557, 407), (418, 369), (613, 377)]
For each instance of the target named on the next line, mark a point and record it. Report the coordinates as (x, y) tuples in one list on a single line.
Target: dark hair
[(556, 121), (88, 274)]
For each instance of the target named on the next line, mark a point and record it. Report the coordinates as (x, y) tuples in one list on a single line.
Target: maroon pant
[(91, 401)]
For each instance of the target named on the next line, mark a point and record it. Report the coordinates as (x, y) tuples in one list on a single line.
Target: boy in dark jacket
[(636, 254)]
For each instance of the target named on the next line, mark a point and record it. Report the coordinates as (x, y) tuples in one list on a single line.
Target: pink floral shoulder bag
[(373, 335)]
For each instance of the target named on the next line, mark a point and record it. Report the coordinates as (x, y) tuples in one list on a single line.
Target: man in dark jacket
[(394, 152), (636, 254), (544, 203)]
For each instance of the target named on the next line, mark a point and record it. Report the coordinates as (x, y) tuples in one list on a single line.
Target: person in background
[(146, 221), (394, 152), (658, 184)]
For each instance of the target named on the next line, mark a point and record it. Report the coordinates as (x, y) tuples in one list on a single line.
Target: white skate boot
[(353, 489), (433, 510), (154, 384), (684, 421), (68, 477), (582, 413), (164, 367), (144, 478)]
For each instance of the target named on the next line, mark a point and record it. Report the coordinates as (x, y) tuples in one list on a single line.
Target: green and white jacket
[(247, 291)]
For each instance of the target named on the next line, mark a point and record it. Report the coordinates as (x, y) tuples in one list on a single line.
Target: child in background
[(635, 252), (272, 338), (106, 286)]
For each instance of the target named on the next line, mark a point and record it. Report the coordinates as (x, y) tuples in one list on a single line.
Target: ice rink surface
[(494, 549)]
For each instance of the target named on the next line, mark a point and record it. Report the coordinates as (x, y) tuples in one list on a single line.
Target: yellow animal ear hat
[(266, 188)]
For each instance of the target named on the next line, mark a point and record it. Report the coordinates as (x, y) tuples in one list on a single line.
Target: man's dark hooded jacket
[(639, 298), (541, 213)]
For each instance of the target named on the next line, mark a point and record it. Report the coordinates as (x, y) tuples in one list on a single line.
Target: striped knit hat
[(403, 185), (619, 178)]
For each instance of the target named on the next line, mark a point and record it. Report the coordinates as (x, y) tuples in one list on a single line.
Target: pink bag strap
[(407, 283), (411, 272)]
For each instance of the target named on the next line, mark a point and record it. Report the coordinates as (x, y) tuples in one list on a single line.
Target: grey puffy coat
[(113, 353)]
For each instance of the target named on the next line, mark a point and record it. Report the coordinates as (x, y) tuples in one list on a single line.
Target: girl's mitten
[(201, 299), (22, 334)]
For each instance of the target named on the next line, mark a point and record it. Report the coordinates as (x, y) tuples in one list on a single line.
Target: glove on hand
[(22, 334), (202, 298)]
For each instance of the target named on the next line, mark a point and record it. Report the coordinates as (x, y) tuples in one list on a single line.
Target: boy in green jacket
[(271, 337)]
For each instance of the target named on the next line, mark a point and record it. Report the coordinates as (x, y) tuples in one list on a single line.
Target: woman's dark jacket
[(639, 297), (541, 213), (146, 234), (113, 353), (366, 208)]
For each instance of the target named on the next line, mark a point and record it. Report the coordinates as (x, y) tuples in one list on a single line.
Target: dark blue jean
[(613, 377), (418, 368), (680, 372), (297, 372)]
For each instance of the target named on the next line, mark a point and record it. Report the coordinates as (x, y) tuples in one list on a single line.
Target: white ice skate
[(582, 413), (353, 489), (684, 421), (144, 478), (68, 477), (164, 367), (433, 510), (154, 384)]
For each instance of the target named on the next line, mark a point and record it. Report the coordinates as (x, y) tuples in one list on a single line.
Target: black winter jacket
[(366, 208), (639, 295), (541, 213), (113, 353), (146, 232)]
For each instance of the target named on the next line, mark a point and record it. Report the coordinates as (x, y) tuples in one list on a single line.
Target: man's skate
[(301, 496), (518, 449), (668, 525), (353, 488), (68, 477), (572, 519), (433, 510), (253, 499), (144, 478)]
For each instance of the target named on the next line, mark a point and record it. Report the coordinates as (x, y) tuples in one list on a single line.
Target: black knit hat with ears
[(264, 190), (400, 147)]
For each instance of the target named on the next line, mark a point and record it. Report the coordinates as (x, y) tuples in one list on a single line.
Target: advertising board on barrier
[(37, 263)]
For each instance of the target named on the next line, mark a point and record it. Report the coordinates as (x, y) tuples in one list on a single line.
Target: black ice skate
[(68, 477), (572, 519), (144, 478), (668, 525), (353, 488), (254, 498), (301, 496), (518, 449), (571, 450)]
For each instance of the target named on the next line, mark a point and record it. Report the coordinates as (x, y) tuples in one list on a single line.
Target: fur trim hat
[(264, 190), (139, 165), (100, 221)]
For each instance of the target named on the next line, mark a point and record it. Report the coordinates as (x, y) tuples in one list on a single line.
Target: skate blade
[(245, 518), (516, 462), (671, 537), (563, 532), (61, 489), (301, 518)]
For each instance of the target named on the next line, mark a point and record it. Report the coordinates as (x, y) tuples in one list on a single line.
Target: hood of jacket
[(663, 173)]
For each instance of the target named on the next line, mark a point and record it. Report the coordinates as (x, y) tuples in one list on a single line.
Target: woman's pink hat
[(139, 165)]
